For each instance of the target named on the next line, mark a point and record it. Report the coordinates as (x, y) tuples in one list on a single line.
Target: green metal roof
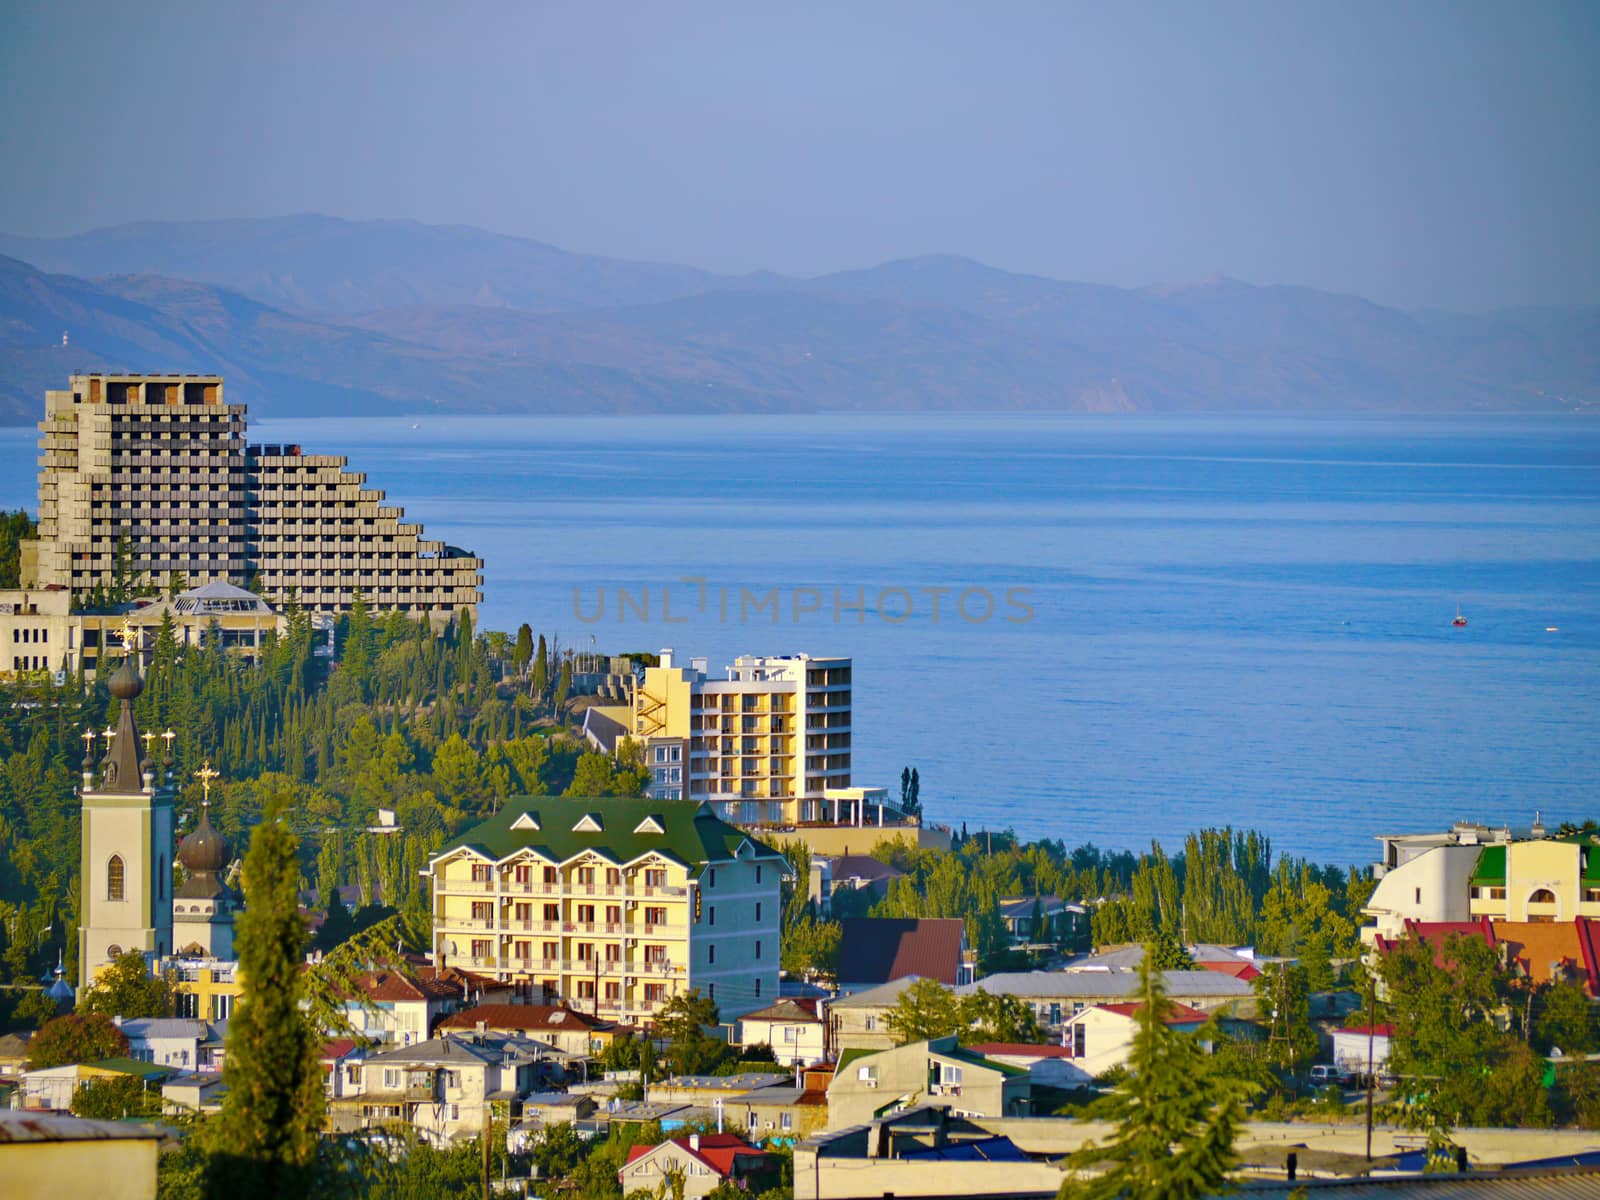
[(559, 828), (1491, 868), (132, 1066)]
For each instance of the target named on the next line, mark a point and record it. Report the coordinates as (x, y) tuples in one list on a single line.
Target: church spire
[(122, 770)]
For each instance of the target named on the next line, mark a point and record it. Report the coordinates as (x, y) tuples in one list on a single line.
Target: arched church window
[(114, 878), (1542, 896)]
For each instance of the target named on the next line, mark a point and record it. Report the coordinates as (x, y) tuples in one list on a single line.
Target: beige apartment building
[(160, 462), (768, 744), (41, 633), (611, 906)]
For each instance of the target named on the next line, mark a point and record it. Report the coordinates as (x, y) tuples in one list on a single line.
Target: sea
[(1106, 629)]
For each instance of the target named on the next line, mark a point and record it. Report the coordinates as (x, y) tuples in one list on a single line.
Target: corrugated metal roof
[(44, 1127), (1579, 1184)]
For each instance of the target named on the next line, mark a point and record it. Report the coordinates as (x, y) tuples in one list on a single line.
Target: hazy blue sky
[(1416, 153)]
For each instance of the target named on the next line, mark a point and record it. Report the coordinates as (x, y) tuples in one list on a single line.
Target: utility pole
[(488, 1132), (1372, 1022)]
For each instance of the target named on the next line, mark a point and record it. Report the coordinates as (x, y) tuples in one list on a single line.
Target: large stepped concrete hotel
[(161, 460)]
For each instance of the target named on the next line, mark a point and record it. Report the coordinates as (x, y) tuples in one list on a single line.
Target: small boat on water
[(1460, 620)]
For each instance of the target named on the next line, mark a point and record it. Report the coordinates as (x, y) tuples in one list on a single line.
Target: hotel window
[(758, 910), (758, 872), (711, 878), (758, 949), (524, 875), (480, 873), (482, 910), (711, 955)]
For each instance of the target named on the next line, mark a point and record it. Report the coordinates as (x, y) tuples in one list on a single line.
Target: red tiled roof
[(1019, 1050), (717, 1150), (1363, 1030), (1239, 970), (1181, 1014), (548, 1017), (394, 986), (1546, 950), (883, 949), (337, 1048)]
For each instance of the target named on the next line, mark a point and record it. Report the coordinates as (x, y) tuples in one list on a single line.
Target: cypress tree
[(265, 1141), (1176, 1115), (541, 671)]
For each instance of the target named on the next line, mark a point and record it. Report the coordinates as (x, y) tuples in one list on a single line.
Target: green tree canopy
[(265, 1140), (127, 989), (682, 1023), (75, 1038), (1176, 1115)]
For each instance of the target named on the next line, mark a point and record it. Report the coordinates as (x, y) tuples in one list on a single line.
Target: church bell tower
[(127, 841)]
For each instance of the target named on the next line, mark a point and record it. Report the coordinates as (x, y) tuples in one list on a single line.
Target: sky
[(1425, 155)]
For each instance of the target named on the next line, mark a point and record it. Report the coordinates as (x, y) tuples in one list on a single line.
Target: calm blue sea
[(1233, 621)]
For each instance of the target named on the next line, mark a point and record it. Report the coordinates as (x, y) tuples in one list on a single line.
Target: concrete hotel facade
[(611, 906), (162, 461), (765, 745)]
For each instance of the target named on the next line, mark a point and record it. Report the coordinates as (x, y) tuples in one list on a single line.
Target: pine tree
[(540, 680), (1176, 1116), (265, 1140)]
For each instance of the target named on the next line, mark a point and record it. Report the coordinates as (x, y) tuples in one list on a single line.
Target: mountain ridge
[(472, 321)]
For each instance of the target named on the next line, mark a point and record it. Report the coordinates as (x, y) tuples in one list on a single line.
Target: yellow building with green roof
[(1545, 879), (611, 906)]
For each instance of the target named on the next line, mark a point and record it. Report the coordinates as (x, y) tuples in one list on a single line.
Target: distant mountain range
[(313, 315)]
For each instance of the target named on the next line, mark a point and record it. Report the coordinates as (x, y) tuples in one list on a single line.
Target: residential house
[(795, 1029), (574, 1033), (13, 1055), (51, 1088), (937, 1072), (927, 1151), (783, 1111), (612, 905), (709, 1091), (394, 1007), (1057, 995), (443, 1088), (860, 1021), (1540, 951), (874, 950), (180, 1042), (862, 873), (193, 1092), (703, 1160), (1100, 1037), (1353, 1043), (542, 1111), (1047, 1065), (1059, 923)]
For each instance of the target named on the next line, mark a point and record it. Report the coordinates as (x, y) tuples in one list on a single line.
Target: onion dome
[(204, 850), (126, 684)]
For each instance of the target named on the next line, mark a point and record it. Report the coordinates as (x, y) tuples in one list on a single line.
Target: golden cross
[(205, 775), (129, 636)]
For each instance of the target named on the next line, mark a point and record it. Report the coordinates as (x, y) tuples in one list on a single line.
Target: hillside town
[(613, 925)]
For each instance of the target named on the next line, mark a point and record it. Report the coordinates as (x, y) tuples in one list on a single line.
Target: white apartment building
[(158, 464)]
